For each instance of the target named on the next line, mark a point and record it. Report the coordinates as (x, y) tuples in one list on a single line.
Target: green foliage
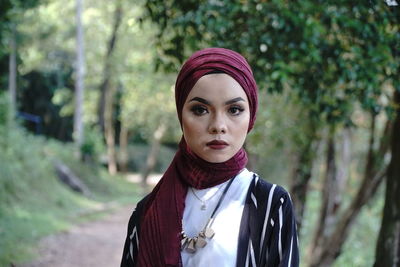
[(33, 203), (10, 12), (365, 231), (49, 49), (29, 194), (93, 145), (45, 87), (331, 54), (138, 153), (4, 108), (359, 248), (273, 139), (147, 96)]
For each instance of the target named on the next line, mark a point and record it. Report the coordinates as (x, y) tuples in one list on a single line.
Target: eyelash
[(238, 110), (201, 110)]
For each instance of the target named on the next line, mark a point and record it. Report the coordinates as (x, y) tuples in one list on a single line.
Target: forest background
[(86, 90)]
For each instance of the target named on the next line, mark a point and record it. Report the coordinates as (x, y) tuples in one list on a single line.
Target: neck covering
[(161, 222)]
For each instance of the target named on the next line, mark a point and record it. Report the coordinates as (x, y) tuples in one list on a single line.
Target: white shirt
[(221, 250)]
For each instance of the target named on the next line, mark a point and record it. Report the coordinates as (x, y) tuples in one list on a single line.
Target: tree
[(80, 76), (107, 92), (9, 15), (387, 247), (332, 54), (12, 80), (148, 109), (47, 56), (118, 51), (144, 97)]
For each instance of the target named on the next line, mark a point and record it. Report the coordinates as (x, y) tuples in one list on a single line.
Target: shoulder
[(267, 193), (275, 189), (131, 246), (138, 212), (142, 203)]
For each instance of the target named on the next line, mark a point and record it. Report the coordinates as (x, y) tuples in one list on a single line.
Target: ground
[(93, 244)]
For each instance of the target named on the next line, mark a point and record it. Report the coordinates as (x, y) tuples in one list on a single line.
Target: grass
[(33, 203)]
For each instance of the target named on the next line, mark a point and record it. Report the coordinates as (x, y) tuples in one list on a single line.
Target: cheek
[(241, 135), (190, 127), (242, 129)]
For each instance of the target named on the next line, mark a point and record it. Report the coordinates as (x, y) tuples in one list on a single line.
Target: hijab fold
[(161, 223)]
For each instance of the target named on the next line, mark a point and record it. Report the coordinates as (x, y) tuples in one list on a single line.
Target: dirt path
[(93, 244)]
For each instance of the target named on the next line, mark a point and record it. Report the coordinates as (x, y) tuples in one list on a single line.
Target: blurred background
[(87, 113)]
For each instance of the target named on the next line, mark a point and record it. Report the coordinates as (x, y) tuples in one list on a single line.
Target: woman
[(208, 209)]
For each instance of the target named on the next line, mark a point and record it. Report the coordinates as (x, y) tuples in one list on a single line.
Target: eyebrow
[(206, 102), (201, 100), (237, 99)]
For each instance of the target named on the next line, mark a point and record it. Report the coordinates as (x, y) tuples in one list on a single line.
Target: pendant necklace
[(191, 244), (203, 201)]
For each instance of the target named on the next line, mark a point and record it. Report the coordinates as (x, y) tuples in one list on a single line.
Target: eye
[(235, 110), (199, 110)]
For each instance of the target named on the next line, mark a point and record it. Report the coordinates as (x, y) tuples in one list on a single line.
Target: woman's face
[(215, 117)]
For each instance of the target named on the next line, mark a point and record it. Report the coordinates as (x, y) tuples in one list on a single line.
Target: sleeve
[(131, 242), (283, 247)]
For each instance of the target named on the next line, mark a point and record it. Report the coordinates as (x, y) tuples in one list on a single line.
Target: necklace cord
[(199, 241), (221, 198), (203, 201)]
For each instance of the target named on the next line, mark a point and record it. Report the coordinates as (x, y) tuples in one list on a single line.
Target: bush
[(93, 145), (138, 155), (33, 202), (3, 108)]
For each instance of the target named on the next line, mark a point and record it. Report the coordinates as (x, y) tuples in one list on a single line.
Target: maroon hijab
[(161, 223)]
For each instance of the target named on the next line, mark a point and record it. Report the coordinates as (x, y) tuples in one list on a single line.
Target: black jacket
[(267, 235)]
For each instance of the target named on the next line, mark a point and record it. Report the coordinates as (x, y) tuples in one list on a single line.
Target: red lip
[(217, 144)]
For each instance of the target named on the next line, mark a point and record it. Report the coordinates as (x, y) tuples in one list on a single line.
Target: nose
[(217, 125)]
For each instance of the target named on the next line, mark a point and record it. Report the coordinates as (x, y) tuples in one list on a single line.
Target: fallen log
[(68, 177)]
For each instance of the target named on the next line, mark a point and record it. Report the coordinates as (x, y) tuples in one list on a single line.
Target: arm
[(131, 242), (283, 247), (131, 247)]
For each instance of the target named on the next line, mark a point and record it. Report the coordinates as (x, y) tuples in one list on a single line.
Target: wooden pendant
[(191, 246), (209, 233), (184, 242), (201, 242)]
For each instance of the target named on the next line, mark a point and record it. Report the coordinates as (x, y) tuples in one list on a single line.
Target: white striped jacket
[(267, 236)]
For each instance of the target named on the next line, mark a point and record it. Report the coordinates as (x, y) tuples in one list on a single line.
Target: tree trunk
[(110, 131), (123, 148), (79, 82), (107, 72), (12, 77), (374, 173), (107, 94), (344, 160), (335, 179), (152, 156), (302, 174), (388, 245), (329, 193)]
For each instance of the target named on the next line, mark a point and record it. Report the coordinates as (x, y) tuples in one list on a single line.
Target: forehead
[(217, 86)]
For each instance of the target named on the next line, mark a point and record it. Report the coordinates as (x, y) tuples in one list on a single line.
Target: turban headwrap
[(161, 222)]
